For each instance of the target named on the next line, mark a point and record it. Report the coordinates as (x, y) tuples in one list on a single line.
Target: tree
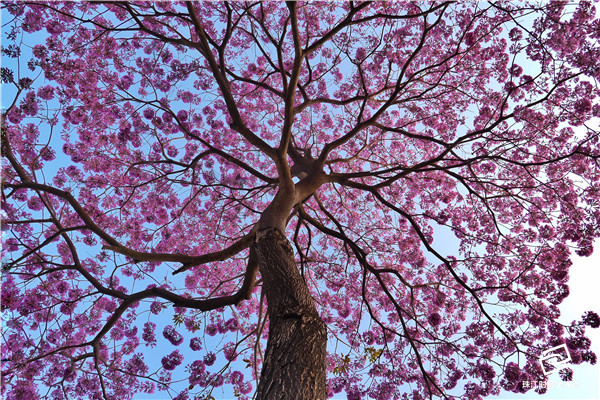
[(388, 194)]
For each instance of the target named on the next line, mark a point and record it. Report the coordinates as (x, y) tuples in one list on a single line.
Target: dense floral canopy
[(442, 160)]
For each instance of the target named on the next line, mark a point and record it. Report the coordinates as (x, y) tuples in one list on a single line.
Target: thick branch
[(237, 121), (188, 261)]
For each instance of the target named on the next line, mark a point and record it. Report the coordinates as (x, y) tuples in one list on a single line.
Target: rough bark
[(294, 362)]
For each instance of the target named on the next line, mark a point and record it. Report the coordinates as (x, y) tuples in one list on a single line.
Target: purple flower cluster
[(148, 334), (148, 113), (46, 93), (236, 377), (171, 361), (512, 372), (245, 387), (211, 330), (230, 352), (210, 358), (592, 319), (486, 372), (156, 307), (198, 373), (196, 344), (434, 319), (216, 380), (172, 335), (182, 396), (29, 105), (232, 325)]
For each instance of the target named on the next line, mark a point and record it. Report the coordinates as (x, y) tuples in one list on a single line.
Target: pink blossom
[(11, 244), (582, 106), (182, 396), (148, 334), (434, 319), (236, 377), (171, 361), (216, 380), (515, 34), (198, 375), (512, 372), (360, 54), (187, 97), (148, 113), (48, 154), (182, 115), (591, 318), (245, 387), (40, 51), (230, 352), (210, 358), (196, 344), (516, 70), (211, 329), (29, 105), (172, 335), (232, 324), (35, 203), (23, 390), (156, 307)]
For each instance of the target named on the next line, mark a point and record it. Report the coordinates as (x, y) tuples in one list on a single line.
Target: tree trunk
[(294, 363)]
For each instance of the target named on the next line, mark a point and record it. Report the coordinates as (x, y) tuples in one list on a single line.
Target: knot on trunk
[(297, 313), (276, 236)]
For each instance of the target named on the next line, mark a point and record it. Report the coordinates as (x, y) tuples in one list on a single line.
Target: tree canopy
[(433, 165)]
